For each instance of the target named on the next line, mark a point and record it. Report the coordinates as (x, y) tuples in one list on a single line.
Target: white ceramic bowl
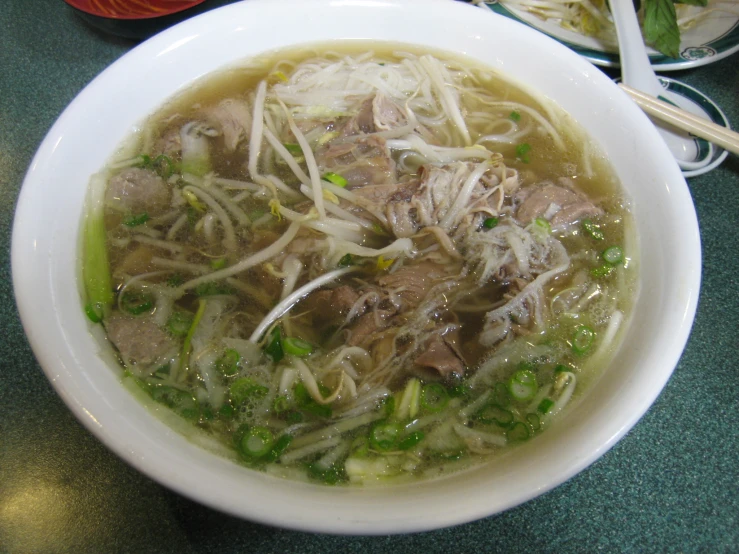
[(45, 258)]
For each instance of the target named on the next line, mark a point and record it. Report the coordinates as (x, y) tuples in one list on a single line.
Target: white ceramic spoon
[(636, 71)]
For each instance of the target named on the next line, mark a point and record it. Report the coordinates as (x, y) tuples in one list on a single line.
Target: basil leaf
[(660, 27)]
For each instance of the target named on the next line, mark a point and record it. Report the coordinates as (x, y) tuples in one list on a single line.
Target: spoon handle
[(636, 70)]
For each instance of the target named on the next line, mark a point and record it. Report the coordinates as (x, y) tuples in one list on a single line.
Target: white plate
[(712, 39)]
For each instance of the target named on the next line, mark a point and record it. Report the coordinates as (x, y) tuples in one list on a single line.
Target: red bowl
[(137, 19)]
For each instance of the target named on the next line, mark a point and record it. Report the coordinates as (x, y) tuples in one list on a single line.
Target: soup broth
[(360, 264)]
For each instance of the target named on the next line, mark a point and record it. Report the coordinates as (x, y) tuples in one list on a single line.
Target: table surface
[(669, 486)]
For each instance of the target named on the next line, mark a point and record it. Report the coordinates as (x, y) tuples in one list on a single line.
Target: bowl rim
[(142, 441), (87, 8)]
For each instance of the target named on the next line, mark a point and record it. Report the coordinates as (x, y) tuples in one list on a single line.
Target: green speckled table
[(669, 486)]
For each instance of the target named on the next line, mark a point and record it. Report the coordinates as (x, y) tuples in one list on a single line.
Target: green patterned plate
[(710, 40)]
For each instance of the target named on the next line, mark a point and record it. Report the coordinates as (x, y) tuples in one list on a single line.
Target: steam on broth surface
[(353, 266)]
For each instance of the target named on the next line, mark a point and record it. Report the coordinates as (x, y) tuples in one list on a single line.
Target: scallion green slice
[(273, 347), (545, 405), (411, 440), (434, 397), (335, 178), (293, 148), (518, 432), (490, 222), (523, 385), (136, 220), (613, 255), (582, 340), (256, 442), (494, 414), (228, 363), (297, 347), (592, 230), (384, 435)]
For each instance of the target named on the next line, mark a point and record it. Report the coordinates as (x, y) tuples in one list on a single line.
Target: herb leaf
[(660, 27)]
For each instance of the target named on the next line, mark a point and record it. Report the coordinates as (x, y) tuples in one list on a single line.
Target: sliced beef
[(376, 113), (363, 122), (138, 339), (440, 353), (232, 118), (364, 161), (332, 305), (136, 190), (387, 114), (168, 144), (384, 194), (412, 282), (560, 205), (363, 332)]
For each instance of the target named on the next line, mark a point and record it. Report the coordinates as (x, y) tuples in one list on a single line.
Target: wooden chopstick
[(721, 136)]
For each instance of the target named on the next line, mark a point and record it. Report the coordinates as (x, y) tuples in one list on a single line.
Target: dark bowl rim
[(82, 6)]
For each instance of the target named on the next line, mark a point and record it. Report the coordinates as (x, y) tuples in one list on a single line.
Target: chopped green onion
[(181, 402), (219, 263), (256, 442), (545, 405), (280, 404), (515, 116), (346, 260), (329, 476), (592, 230), (244, 388), (582, 339), (543, 224), (144, 161), (522, 385), (136, 220), (164, 166), (293, 148), (458, 391), (384, 435), (490, 222), (492, 413), (335, 178), (533, 421), (409, 401), (613, 255), (411, 440), (306, 403), (226, 411), (136, 304), (92, 314), (95, 266), (278, 447), (179, 323), (294, 417), (603, 271), (501, 396), (522, 152), (297, 347), (434, 397), (519, 432), (388, 405), (559, 368), (273, 346), (228, 363)]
